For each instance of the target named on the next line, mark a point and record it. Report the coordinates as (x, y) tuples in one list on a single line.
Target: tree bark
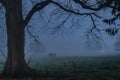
[(15, 65)]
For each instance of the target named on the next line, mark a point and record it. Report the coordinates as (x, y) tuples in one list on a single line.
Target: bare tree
[(71, 11)]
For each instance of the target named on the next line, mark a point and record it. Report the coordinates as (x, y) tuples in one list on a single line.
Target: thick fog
[(73, 45)]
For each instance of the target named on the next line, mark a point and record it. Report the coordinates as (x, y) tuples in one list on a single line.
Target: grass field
[(77, 68)]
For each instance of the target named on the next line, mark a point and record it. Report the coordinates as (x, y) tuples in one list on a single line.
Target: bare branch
[(37, 7), (102, 4), (59, 27), (69, 10), (33, 36), (95, 33)]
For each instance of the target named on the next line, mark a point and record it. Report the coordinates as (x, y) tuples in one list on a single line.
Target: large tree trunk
[(15, 65)]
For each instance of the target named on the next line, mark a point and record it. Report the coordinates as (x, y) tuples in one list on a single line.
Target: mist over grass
[(76, 67), (80, 54)]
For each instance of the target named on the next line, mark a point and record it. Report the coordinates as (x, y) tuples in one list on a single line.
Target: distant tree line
[(52, 54)]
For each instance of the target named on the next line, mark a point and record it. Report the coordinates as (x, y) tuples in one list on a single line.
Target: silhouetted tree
[(68, 10)]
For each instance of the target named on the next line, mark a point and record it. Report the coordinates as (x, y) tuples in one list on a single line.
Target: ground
[(77, 68)]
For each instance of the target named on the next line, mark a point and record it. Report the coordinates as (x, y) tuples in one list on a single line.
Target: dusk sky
[(67, 43)]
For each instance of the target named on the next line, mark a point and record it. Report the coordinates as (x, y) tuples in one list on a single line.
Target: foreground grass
[(77, 68)]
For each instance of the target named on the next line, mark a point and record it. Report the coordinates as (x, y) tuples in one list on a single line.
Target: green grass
[(78, 68)]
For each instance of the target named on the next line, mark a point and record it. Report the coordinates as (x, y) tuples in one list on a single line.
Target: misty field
[(77, 68)]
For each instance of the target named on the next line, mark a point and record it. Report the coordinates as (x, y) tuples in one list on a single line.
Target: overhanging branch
[(37, 7), (69, 10), (101, 6)]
